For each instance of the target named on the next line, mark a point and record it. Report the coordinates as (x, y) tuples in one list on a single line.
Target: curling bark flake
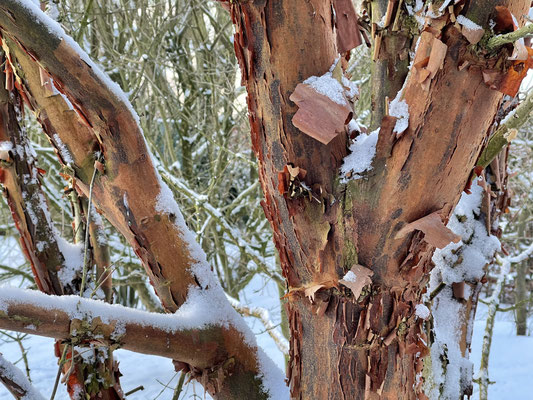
[(372, 346)]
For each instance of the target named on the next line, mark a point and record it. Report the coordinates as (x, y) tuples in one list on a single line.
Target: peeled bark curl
[(372, 346)]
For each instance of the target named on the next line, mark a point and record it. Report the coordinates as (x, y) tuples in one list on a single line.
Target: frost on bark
[(373, 345)]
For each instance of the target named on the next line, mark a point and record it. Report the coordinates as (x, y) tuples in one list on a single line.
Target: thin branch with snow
[(493, 302), (16, 382), (264, 316)]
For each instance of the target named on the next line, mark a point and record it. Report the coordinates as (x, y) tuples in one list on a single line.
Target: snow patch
[(350, 277), (6, 146), (399, 109), (63, 150), (362, 152), (457, 262), (15, 375), (421, 311), (328, 86), (468, 23), (332, 88)]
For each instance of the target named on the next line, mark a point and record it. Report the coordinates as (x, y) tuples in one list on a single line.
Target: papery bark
[(126, 190), (370, 347)]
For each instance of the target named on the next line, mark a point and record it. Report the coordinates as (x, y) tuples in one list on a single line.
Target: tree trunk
[(344, 344), (370, 346), (96, 133)]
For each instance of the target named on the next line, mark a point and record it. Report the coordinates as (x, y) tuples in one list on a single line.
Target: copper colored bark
[(99, 121), (319, 116), (194, 346), (21, 184), (371, 347), (348, 35), (435, 232)]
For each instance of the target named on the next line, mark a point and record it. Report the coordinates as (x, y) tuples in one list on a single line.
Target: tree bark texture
[(21, 183), (335, 338), (34, 316), (126, 188)]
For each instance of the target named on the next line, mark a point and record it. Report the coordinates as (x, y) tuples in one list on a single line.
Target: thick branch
[(99, 118), (41, 242), (129, 191), (26, 200), (182, 336)]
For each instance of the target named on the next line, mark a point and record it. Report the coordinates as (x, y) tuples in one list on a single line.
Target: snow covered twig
[(16, 382), (493, 303), (264, 316)]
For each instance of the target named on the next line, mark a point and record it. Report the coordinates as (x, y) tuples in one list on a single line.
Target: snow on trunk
[(458, 265)]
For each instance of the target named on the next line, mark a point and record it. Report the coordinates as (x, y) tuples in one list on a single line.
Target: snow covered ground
[(510, 364)]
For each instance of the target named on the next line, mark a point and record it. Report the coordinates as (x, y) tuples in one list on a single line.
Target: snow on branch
[(150, 219), (16, 382), (234, 235), (493, 303), (60, 317), (457, 263), (520, 257), (191, 335)]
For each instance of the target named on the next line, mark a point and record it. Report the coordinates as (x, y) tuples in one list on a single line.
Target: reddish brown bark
[(370, 347), (127, 185), (27, 203)]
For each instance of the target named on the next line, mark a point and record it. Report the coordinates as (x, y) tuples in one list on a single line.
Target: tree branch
[(263, 315), (82, 321), (507, 131), (499, 40), (98, 118), (16, 382)]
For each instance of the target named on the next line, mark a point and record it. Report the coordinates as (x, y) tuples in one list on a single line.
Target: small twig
[(179, 388), (500, 40), (437, 290), (86, 244), (24, 352), (61, 363), (504, 134), (141, 387)]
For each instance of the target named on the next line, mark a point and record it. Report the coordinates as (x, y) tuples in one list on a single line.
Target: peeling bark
[(371, 346), (26, 199), (126, 192)]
